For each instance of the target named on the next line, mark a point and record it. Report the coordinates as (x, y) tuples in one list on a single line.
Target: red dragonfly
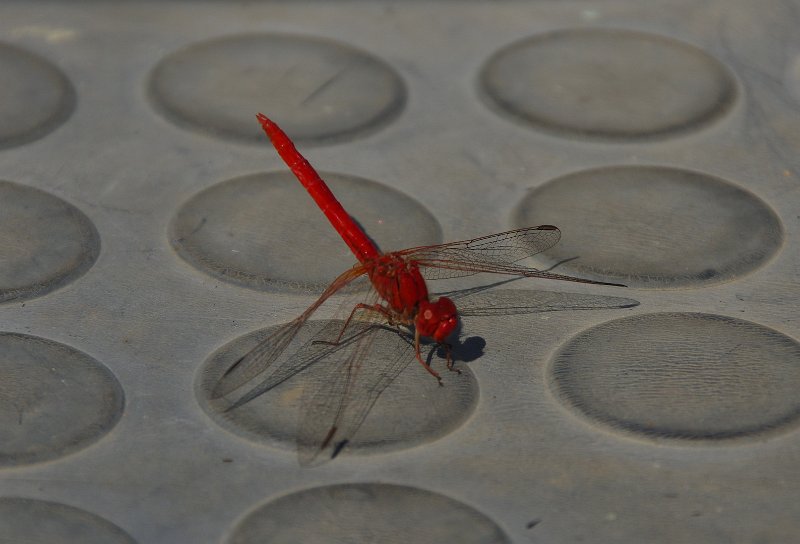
[(398, 301)]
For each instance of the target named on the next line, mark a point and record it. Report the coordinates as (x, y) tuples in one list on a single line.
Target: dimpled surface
[(150, 236)]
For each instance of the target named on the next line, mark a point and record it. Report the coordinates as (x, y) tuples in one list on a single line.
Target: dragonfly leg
[(422, 362), (361, 306), (448, 349)]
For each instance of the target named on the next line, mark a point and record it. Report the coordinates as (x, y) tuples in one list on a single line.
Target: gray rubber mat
[(150, 236)]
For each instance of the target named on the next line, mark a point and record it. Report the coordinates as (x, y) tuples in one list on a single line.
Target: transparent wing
[(518, 302), (496, 253), (347, 375), (351, 379), (483, 254), (259, 360)]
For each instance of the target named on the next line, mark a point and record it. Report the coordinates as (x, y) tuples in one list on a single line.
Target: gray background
[(675, 423)]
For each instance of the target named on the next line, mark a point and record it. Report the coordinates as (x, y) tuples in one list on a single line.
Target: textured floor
[(149, 236)]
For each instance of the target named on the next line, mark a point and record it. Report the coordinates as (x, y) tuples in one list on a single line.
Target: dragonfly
[(397, 302)]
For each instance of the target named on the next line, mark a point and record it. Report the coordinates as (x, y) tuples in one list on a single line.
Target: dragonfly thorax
[(399, 283)]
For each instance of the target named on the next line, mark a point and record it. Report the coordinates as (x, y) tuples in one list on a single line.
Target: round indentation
[(44, 242), (367, 512), (264, 230), (681, 376), (403, 404), (604, 83), (29, 520), (317, 89), (35, 96), (652, 226), (53, 399)]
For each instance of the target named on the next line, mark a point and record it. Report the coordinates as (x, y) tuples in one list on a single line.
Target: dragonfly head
[(436, 319)]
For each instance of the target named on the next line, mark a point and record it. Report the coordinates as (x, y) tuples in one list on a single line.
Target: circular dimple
[(612, 84), (35, 96), (410, 408), (264, 230), (366, 512), (681, 376), (317, 89), (53, 400), (29, 520), (652, 226), (44, 242)]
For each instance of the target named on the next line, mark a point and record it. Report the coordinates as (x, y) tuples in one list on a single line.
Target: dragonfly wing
[(512, 302), (336, 406), (497, 254), (494, 253), (260, 359)]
